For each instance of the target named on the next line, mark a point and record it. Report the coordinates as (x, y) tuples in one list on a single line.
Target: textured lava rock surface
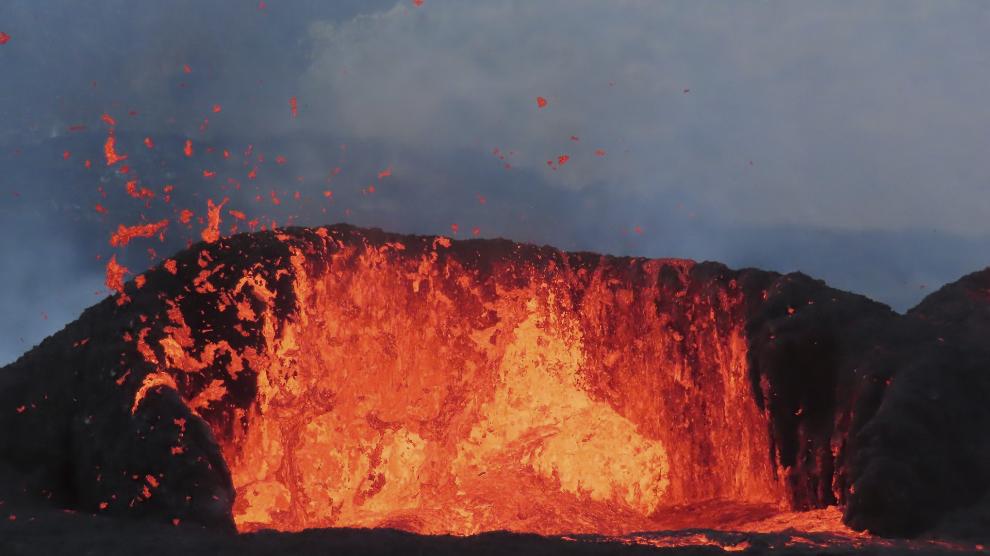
[(884, 414)]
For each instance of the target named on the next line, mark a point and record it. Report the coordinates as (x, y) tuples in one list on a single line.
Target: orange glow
[(814, 530), (4, 38), (187, 149), (153, 380), (125, 234), (541, 102), (110, 151), (294, 106), (115, 274), (212, 231), (142, 193), (418, 390)]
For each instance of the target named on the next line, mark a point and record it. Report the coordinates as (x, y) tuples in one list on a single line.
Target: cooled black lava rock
[(922, 451), (882, 413)]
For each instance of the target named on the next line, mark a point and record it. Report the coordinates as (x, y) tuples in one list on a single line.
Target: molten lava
[(336, 377), (409, 387)]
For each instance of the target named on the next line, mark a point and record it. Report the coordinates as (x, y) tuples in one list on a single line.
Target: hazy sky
[(849, 140)]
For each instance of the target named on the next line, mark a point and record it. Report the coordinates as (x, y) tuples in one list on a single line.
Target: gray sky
[(848, 140)]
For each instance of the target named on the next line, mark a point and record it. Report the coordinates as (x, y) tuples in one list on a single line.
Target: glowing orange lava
[(138, 193), (125, 234), (110, 150), (115, 274), (435, 394), (212, 231)]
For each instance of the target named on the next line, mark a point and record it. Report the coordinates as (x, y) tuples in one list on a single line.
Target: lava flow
[(341, 377), (445, 393)]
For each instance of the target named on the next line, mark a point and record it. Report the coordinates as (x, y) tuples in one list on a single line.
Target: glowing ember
[(4, 38), (294, 106), (212, 231), (541, 102), (115, 274), (110, 150), (138, 193), (125, 234)]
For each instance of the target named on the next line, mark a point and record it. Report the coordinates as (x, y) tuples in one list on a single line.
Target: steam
[(844, 141)]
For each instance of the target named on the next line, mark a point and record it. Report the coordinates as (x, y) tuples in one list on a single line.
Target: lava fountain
[(410, 387), (341, 377)]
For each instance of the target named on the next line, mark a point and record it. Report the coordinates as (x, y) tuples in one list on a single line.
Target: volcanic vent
[(442, 390), (434, 389), (337, 377)]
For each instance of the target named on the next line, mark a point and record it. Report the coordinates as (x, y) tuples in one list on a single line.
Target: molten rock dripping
[(340, 377), (415, 389)]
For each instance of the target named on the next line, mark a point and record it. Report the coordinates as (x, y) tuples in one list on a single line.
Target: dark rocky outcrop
[(883, 414), (921, 448)]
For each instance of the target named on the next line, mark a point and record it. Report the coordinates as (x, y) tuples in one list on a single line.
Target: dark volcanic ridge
[(883, 415)]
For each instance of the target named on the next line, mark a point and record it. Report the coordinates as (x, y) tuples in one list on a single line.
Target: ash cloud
[(847, 141)]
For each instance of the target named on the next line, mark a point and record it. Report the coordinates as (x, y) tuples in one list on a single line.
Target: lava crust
[(345, 377)]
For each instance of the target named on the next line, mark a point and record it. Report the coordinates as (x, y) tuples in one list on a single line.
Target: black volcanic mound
[(883, 414)]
